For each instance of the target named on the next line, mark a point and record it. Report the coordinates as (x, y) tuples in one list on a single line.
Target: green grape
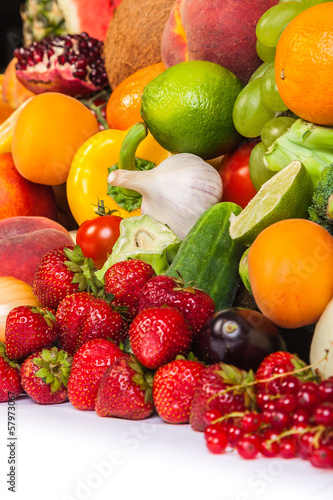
[(269, 91), (260, 71), (250, 113), (266, 54), (274, 128), (259, 173), (311, 3), (274, 19)]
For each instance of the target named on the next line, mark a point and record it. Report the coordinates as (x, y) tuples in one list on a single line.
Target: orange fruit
[(49, 130), (290, 268), (123, 107), (304, 62)]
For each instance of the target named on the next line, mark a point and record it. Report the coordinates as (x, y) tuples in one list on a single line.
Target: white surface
[(66, 454)]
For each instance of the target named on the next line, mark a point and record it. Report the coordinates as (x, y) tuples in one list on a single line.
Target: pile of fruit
[(166, 231)]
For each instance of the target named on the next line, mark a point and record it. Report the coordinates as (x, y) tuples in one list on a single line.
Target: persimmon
[(290, 268), (48, 132)]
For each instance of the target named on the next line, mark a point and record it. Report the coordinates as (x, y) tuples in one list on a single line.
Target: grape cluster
[(260, 101), (293, 418)]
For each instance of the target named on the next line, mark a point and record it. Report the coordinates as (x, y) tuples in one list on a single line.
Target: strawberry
[(279, 363), (224, 388), (125, 391), (44, 376), (158, 334), (125, 281), (81, 317), (10, 378), (61, 272), (29, 328), (173, 389), (196, 305), (89, 364)]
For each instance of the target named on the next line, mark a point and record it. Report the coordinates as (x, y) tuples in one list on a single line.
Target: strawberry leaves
[(54, 367)]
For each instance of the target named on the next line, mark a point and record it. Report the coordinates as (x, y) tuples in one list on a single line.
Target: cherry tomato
[(96, 237), (234, 172)]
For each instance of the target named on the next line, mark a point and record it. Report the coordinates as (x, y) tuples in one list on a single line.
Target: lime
[(287, 195), (188, 109)]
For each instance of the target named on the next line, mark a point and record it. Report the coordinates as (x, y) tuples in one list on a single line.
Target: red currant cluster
[(293, 418)]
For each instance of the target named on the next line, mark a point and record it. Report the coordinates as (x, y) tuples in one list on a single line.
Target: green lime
[(287, 195), (188, 109)]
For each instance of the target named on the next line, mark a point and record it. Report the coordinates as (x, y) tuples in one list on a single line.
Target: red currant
[(286, 403), (323, 414), (268, 448), (249, 446), (212, 415), (235, 433), (290, 384), (300, 417), (217, 443), (307, 396), (288, 447), (325, 389), (250, 422), (322, 457), (306, 444)]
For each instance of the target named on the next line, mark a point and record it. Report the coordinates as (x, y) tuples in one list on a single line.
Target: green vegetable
[(208, 258), (319, 210), (143, 238), (306, 142)]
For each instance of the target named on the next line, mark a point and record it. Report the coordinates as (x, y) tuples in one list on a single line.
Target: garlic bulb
[(176, 192)]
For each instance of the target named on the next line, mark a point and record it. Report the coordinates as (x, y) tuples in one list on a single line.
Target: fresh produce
[(87, 179), (10, 379), (308, 95), (125, 391), (287, 195), (209, 395), (20, 197), (61, 272), (188, 109), (43, 149), (13, 293), (133, 39), (306, 142), (143, 238), (13, 92), (123, 107), (209, 257), (44, 376), (7, 129), (196, 305), (126, 280), (234, 171), (96, 237), (321, 351), (218, 31), (319, 209), (28, 329), (289, 267), (237, 336), (24, 240), (176, 192), (173, 389), (89, 363), (158, 334), (71, 64), (81, 316), (42, 18)]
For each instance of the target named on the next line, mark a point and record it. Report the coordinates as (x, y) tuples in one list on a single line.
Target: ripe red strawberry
[(81, 317), (196, 305), (209, 393), (10, 378), (89, 364), (61, 272), (173, 389), (278, 363), (29, 328), (125, 391), (125, 281), (158, 334), (44, 376)]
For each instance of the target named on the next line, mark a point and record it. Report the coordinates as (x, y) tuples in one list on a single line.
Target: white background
[(66, 454)]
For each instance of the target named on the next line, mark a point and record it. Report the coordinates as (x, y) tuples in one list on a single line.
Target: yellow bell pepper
[(87, 178)]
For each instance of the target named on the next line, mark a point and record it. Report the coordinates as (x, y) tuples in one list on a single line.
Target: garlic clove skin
[(176, 192)]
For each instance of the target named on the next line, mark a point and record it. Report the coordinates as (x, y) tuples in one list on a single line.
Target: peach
[(18, 196), (219, 31), (23, 242), (13, 92)]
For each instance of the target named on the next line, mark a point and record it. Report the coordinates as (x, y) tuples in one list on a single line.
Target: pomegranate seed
[(80, 73)]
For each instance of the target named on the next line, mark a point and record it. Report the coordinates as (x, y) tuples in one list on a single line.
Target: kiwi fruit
[(134, 36)]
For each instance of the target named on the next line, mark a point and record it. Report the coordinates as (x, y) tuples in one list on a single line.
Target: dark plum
[(238, 336)]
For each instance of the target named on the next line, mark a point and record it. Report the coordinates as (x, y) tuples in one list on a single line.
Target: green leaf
[(42, 373)]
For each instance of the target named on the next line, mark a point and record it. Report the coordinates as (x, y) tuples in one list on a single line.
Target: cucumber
[(208, 258)]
